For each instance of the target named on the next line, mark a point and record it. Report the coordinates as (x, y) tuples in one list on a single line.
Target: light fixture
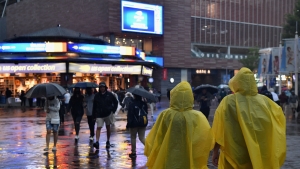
[(172, 80), (150, 80)]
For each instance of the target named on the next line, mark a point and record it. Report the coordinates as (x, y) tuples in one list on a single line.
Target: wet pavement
[(23, 132)]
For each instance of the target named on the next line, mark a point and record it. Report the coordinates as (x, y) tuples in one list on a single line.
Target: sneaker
[(132, 155), (46, 149), (76, 137), (108, 144), (91, 138), (96, 145), (54, 149)]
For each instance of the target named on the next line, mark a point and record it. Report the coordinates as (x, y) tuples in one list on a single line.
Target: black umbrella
[(84, 85), (142, 92), (210, 88), (45, 90)]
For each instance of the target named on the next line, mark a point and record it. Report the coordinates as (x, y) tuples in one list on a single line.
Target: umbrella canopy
[(142, 92), (84, 85), (45, 90), (210, 88), (223, 86)]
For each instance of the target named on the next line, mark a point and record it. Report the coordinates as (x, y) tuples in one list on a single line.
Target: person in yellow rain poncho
[(181, 137), (249, 128)]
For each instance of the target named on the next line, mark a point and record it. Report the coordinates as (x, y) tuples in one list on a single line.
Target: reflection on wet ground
[(22, 141)]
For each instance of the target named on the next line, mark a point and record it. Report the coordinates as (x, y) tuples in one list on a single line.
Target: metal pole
[(4, 9), (296, 59), (228, 54), (280, 55)]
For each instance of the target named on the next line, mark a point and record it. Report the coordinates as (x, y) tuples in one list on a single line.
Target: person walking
[(249, 128), (52, 107), (127, 101), (134, 111), (89, 100), (67, 97), (274, 96), (181, 136), (23, 98), (293, 102), (76, 107), (8, 95), (204, 100), (62, 109), (105, 104), (283, 100)]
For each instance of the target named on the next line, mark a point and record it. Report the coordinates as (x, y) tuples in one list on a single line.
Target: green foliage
[(252, 59), (291, 19)]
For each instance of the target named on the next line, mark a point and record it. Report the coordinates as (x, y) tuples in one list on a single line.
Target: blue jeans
[(50, 126)]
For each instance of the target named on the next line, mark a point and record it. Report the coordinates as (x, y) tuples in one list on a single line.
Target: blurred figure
[(8, 95), (62, 109), (293, 102), (89, 100), (23, 98), (181, 137), (264, 91), (67, 97), (127, 101), (135, 128), (274, 96), (250, 129), (76, 107), (204, 100), (222, 95), (168, 93), (283, 100), (52, 120)]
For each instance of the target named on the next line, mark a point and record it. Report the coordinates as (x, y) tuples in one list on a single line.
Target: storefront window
[(124, 41)]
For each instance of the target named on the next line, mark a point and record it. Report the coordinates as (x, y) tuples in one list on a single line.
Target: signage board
[(101, 49), (142, 18), (147, 71), (33, 47), (157, 60), (140, 54), (32, 67), (105, 68)]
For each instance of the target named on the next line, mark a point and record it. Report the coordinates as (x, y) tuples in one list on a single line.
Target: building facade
[(202, 41)]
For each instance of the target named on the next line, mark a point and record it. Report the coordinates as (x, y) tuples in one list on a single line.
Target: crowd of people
[(248, 129)]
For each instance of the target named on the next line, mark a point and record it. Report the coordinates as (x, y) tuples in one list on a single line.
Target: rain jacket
[(52, 109), (181, 138), (249, 127)]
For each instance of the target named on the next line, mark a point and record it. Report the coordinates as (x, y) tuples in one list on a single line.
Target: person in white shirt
[(52, 107), (275, 96), (89, 100), (67, 97)]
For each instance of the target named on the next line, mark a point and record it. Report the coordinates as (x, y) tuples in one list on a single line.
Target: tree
[(252, 59), (289, 28)]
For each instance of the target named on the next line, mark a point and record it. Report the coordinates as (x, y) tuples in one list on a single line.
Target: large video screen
[(142, 18)]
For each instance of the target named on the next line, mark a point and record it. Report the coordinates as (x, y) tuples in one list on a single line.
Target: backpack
[(140, 116)]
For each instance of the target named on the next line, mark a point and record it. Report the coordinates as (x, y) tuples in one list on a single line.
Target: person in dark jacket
[(105, 104), (132, 123), (264, 91), (76, 107), (283, 100), (23, 98)]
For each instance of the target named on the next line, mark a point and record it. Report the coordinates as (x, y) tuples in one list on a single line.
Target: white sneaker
[(76, 137), (91, 138)]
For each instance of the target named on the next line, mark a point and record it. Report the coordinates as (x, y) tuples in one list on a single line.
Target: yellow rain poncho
[(249, 127), (181, 137)]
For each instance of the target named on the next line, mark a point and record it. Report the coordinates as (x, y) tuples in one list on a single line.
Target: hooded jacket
[(52, 109), (181, 137), (249, 127)]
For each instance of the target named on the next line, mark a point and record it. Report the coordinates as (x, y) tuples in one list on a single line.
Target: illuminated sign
[(147, 71), (32, 67), (33, 47), (101, 49), (201, 71), (104, 68), (140, 54), (157, 60), (143, 18)]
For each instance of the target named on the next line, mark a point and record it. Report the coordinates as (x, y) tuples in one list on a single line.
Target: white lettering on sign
[(30, 68), (101, 68)]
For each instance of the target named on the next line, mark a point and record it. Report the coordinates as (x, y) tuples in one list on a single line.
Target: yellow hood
[(249, 127), (244, 82), (181, 137), (182, 97)]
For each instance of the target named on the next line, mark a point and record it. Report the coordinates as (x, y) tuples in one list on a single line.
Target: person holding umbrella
[(204, 101), (89, 100), (52, 107), (76, 107)]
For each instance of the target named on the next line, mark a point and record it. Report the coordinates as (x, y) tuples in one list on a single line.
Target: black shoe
[(132, 155), (96, 145), (108, 144)]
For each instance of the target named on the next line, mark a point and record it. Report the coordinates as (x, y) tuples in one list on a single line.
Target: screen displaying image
[(143, 18)]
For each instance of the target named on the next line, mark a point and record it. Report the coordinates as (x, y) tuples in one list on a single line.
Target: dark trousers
[(23, 102), (62, 113), (205, 111), (91, 123), (30, 100), (38, 102), (43, 102), (77, 120)]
